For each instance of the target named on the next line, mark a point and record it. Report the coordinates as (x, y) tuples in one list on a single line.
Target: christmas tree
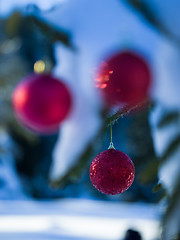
[(100, 65)]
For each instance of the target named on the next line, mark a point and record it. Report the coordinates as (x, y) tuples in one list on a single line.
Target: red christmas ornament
[(112, 172), (124, 78), (41, 102)]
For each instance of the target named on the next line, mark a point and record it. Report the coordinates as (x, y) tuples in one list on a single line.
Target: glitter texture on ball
[(112, 172)]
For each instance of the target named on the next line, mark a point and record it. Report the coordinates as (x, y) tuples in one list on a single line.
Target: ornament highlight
[(124, 78), (41, 102), (112, 172)]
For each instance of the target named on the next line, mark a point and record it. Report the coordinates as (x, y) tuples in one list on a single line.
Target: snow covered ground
[(77, 219)]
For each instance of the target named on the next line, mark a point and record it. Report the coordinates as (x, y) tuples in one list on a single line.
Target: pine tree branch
[(149, 15), (175, 197), (53, 33), (173, 146), (126, 110), (168, 118), (150, 172), (76, 170), (157, 187), (172, 210)]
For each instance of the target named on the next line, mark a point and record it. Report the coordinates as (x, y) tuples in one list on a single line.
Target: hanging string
[(111, 145)]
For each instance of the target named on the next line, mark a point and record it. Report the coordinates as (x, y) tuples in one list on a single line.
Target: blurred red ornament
[(124, 78), (112, 172), (41, 102)]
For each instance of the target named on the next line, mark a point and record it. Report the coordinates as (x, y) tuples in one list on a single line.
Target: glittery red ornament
[(112, 172), (124, 78), (41, 102)]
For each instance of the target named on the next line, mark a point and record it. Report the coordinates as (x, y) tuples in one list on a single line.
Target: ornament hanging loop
[(111, 145)]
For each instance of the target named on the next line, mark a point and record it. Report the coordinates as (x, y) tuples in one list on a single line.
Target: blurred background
[(38, 202)]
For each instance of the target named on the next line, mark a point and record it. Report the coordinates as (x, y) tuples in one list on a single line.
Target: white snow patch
[(77, 219), (84, 121), (167, 12)]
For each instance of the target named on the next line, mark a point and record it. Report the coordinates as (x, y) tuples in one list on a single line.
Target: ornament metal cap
[(111, 146)]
